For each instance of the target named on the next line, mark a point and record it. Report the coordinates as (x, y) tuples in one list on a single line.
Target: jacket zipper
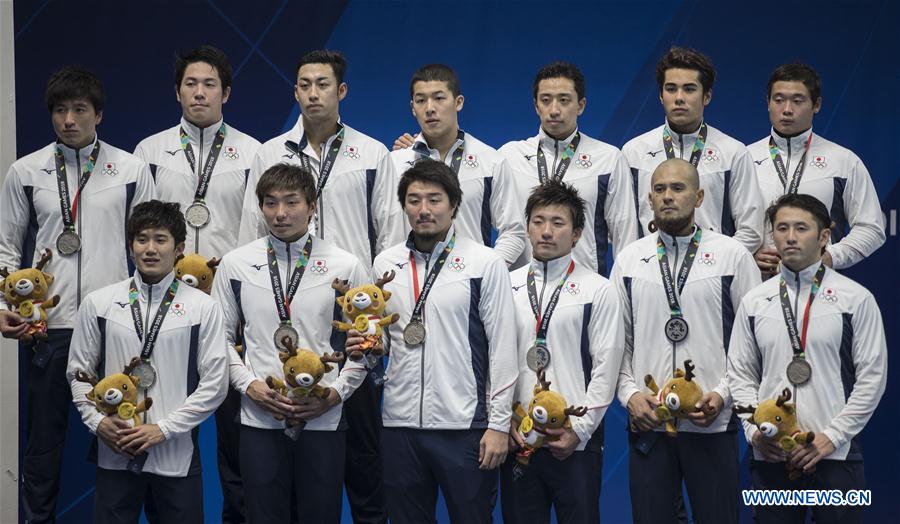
[(422, 355), (675, 284), (543, 287), (199, 172), (680, 147), (555, 157), (81, 197)]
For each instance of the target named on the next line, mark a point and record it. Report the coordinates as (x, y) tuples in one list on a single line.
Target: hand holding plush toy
[(303, 369), (678, 398), (777, 420), (364, 306), (547, 410), (117, 394), (26, 293)]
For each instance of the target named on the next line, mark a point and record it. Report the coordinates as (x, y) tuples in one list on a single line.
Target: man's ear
[(225, 94), (460, 102), (342, 91)]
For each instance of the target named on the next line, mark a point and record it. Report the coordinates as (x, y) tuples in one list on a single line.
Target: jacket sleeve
[(607, 340), (627, 386), (864, 217), (84, 355), (620, 213), (744, 367), (14, 208), (212, 366), (746, 202), (869, 353), (354, 372), (386, 211), (508, 213), (222, 292), (146, 187), (494, 307), (252, 224)]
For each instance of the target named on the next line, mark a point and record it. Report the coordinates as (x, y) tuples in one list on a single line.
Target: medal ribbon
[(211, 159), (282, 301), (798, 341), (327, 163), (775, 153), (568, 154), (696, 151), (543, 321), (455, 159), (149, 342), (666, 272), (70, 210), (422, 296)]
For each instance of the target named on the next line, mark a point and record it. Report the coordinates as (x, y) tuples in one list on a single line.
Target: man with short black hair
[(490, 197), (834, 387), (733, 205), (171, 339), (452, 370), (569, 327), (794, 160), (561, 151), (73, 197)]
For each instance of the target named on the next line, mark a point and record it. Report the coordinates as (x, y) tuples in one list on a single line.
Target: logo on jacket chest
[(230, 152), (829, 295), (707, 258), (456, 264), (109, 169), (177, 309), (319, 266), (572, 288), (351, 152), (583, 161), (818, 161), (710, 155), (470, 160)]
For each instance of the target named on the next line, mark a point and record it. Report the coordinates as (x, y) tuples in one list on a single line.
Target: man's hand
[(108, 430), (565, 446), (768, 448), (12, 325), (312, 406), (515, 439), (354, 342), (138, 440), (710, 405), (640, 407), (271, 400), (404, 141), (767, 259), (493, 447), (826, 259), (806, 457)]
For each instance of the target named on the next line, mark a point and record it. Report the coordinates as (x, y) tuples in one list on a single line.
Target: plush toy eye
[(124, 387), (37, 280), (553, 420), (204, 277), (291, 371), (777, 418), (375, 295)]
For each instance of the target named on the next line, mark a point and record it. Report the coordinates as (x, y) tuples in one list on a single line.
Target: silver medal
[(145, 373), (197, 215), (286, 331), (798, 371), (676, 329), (68, 243), (538, 357), (414, 333)]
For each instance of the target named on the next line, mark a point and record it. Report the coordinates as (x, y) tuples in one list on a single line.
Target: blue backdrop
[(496, 47)]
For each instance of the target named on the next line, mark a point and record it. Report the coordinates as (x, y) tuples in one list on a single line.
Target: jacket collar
[(554, 144), (83, 153), (686, 138), (196, 134), (794, 143), (805, 275), (154, 291), (682, 241), (281, 247), (551, 270), (420, 146), (411, 245)]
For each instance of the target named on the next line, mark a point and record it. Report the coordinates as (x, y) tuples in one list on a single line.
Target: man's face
[(75, 122), (552, 232), (318, 92), (287, 214), (674, 194), (154, 252), (428, 209), (435, 108), (683, 98), (558, 106), (201, 94), (791, 110), (797, 237)]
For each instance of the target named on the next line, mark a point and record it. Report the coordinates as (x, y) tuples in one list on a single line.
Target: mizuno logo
[(647, 260), (48, 171), (122, 304), (400, 264), (529, 157), (173, 152), (759, 162), (773, 297), (516, 288), (257, 266), (411, 162), (654, 153), (288, 156)]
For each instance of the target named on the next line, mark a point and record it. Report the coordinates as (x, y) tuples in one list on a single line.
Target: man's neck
[(152, 279), (76, 147), (199, 125), (292, 238), (560, 136), (807, 266), (318, 132), (443, 143), (686, 129), (788, 136), (426, 244), (684, 231)]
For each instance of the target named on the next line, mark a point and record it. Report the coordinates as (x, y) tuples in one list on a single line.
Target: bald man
[(681, 286)]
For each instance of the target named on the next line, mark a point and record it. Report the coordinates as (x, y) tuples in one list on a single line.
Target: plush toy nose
[(672, 401), (768, 429), (304, 379), (539, 414), (113, 397), (362, 300), (24, 287), (190, 280)]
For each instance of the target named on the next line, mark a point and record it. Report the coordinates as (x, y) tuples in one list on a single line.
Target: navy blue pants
[(830, 474), (120, 494), (418, 462), (272, 465), (571, 486), (362, 478), (707, 463), (48, 400)]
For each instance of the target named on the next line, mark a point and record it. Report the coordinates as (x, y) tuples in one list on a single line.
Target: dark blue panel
[(338, 338), (370, 222), (236, 292), (838, 214), (193, 372), (153, 169), (727, 220), (480, 353), (635, 176), (29, 240), (129, 198), (601, 228), (727, 310), (101, 361), (848, 368), (486, 211)]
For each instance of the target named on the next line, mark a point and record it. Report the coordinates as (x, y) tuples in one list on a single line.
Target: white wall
[(9, 366)]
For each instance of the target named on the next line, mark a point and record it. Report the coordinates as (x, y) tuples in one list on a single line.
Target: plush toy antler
[(131, 365), (4, 272), (784, 397), (341, 286), (572, 411), (543, 384), (688, 370), (81, 376), (387, 277), (337, 358), (213, 263), (45, 257)]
